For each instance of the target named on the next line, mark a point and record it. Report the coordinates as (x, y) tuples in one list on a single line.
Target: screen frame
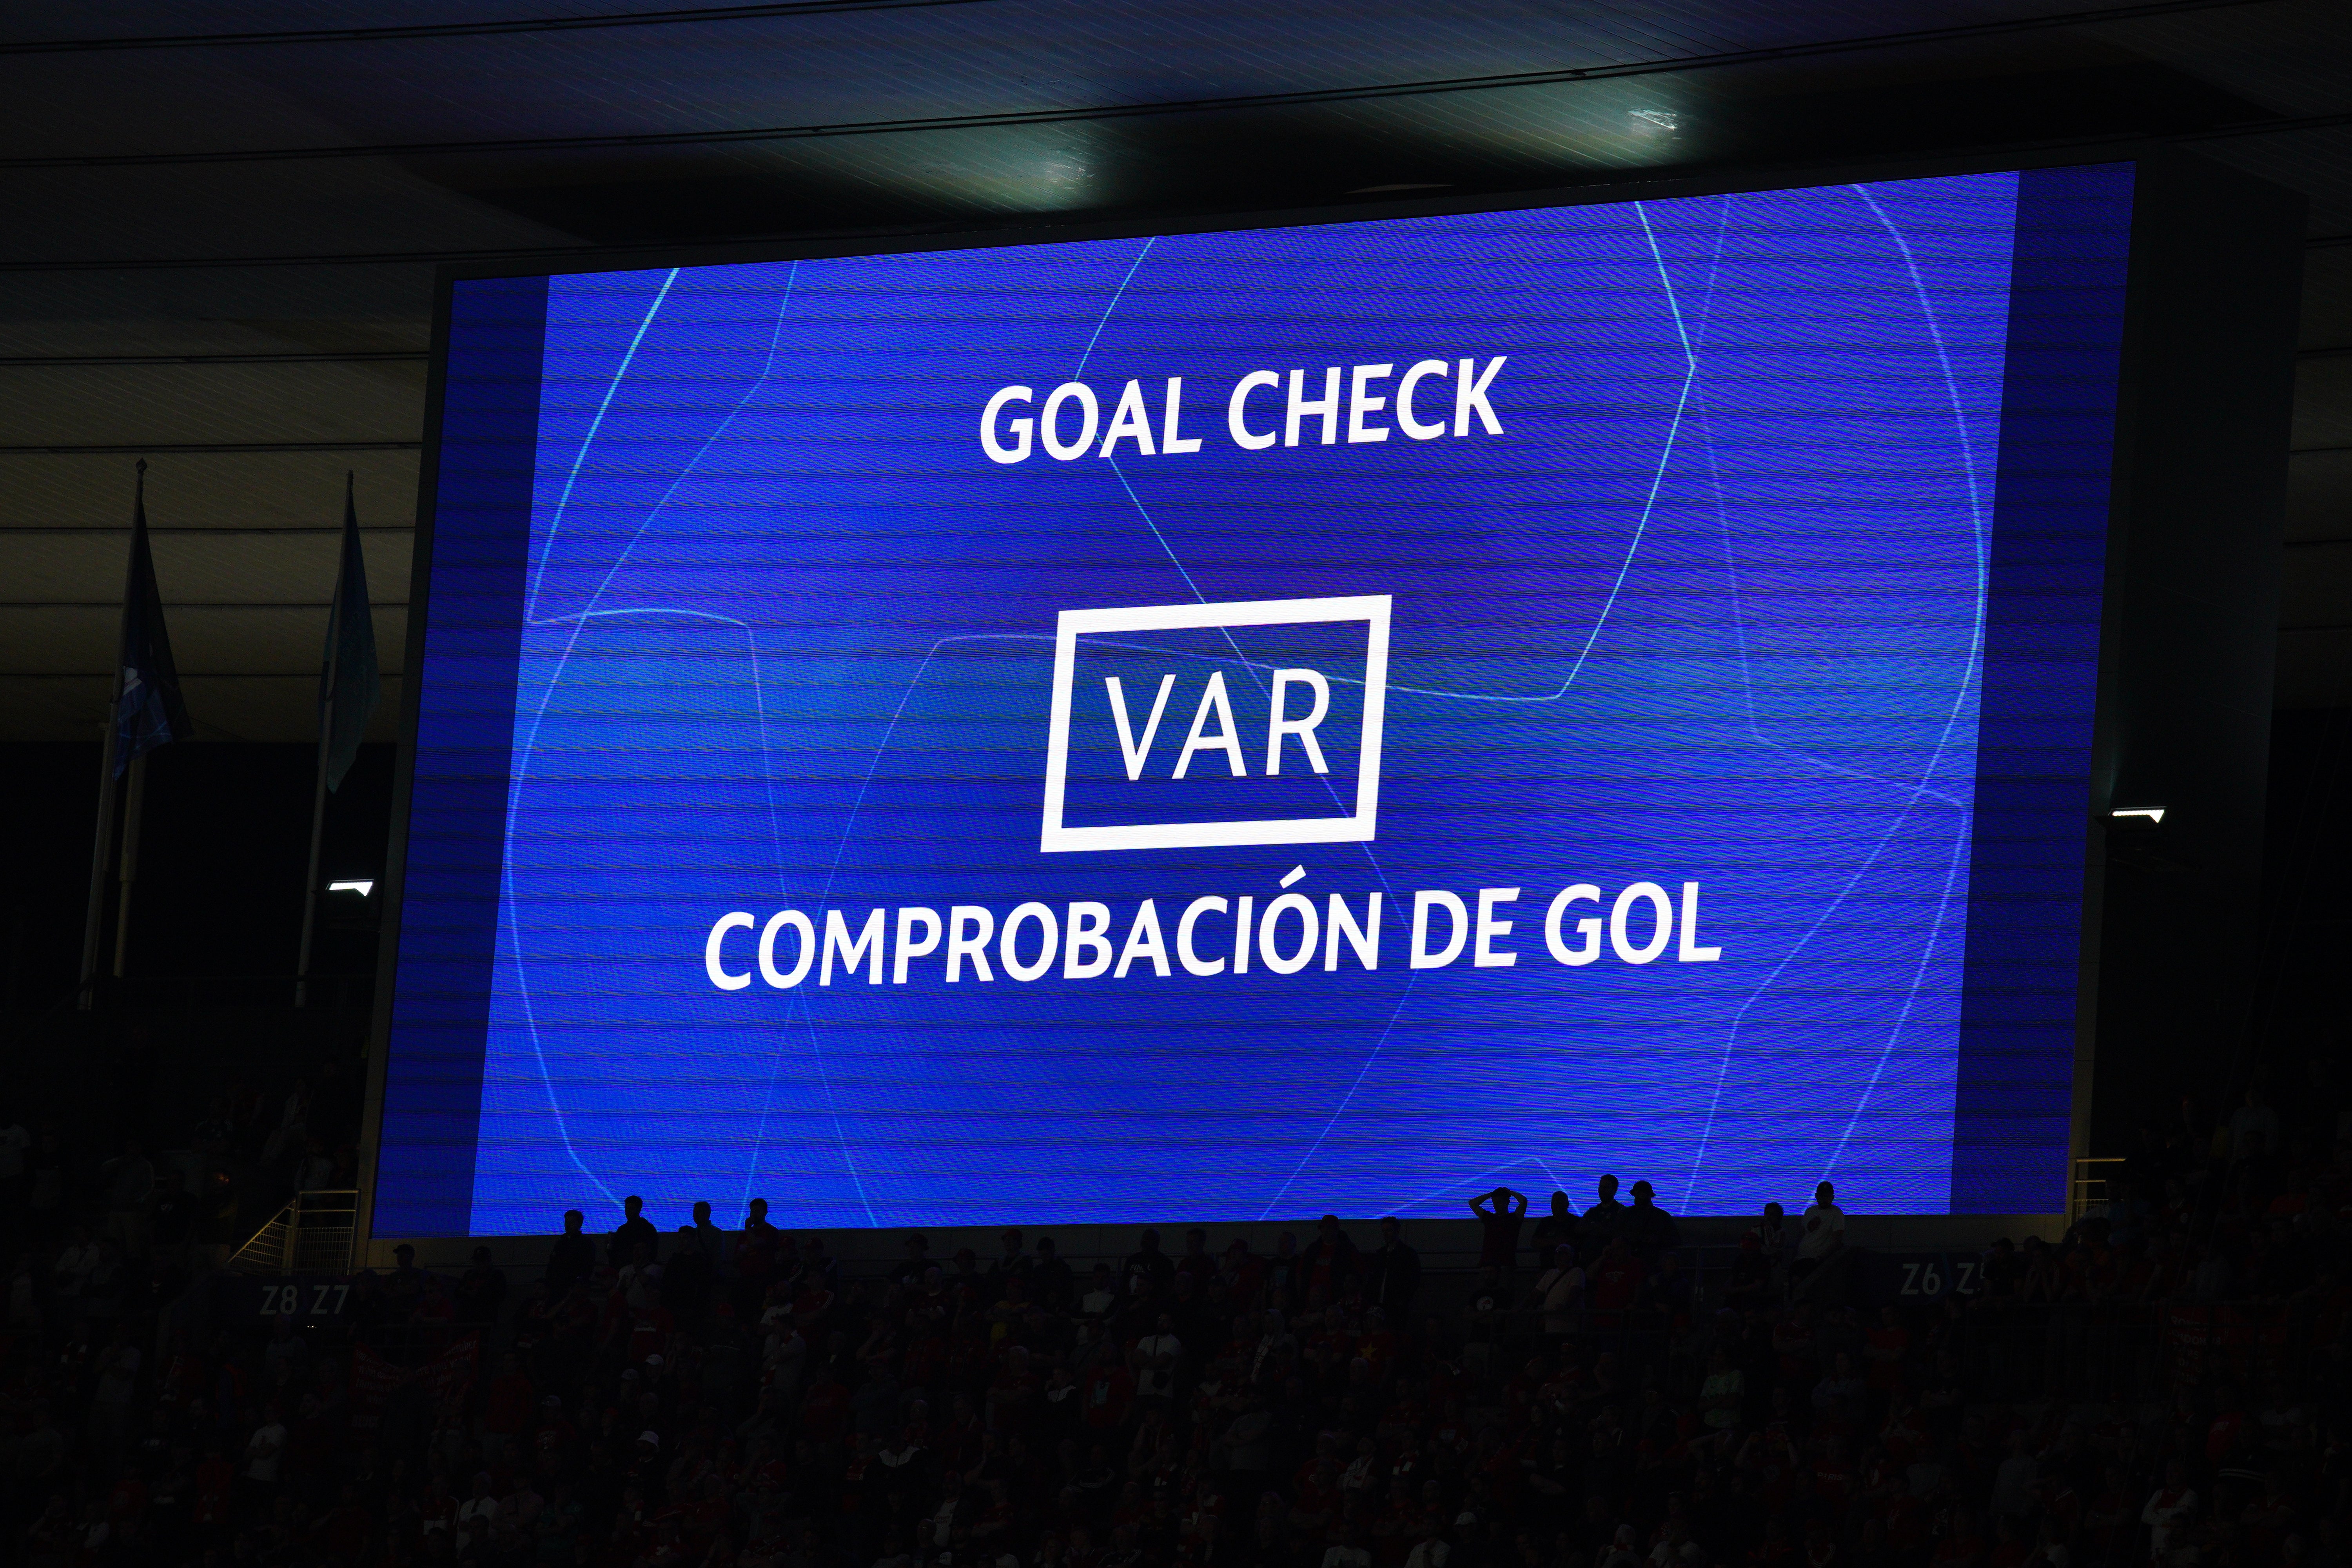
[(885, 241)]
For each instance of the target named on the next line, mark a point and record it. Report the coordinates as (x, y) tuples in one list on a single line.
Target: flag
[(148, 712), (348, 687)]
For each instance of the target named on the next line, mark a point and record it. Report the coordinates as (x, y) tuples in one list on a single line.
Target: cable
[(52, 531), (138, 448), (1017, 118), (689, 16), (312, 674), (192, 604), (387, 356)]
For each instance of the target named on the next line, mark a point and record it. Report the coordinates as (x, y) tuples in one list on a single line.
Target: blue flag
[(148, 712), (348, 687)]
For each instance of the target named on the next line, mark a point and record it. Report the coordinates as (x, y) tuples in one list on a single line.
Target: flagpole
[(318, 783), (318, 832), (102, 853), (102, 856), (134, 804)]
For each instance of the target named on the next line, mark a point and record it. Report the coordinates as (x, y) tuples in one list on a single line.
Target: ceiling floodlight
[(1657, 120), (2151, 813), (362, 887)]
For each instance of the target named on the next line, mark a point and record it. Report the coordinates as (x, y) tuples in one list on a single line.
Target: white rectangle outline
[(1372, 608)]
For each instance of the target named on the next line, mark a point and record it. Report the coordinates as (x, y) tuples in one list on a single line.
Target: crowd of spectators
[(2166, 1384)]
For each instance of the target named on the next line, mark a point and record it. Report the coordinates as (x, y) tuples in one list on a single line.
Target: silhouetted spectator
[(634, 1231), (1499, 1213), (481, 1290), (1557, 1225), (1330, 1260), (574, 1257), (914, 1260), (1820, 1235), (1147, 1268), (1603, 1223), (1393, 1276), (712, 1240), (1558, 1295), (1009, 1263), (1647, 1228), (1050, 1278), (689, 1278)]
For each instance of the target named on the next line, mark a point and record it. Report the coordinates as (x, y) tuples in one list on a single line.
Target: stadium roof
[(226, 217)]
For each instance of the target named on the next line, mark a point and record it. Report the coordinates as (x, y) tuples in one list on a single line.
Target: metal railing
[(268, 993), (311, 1235), (2086, 1194)]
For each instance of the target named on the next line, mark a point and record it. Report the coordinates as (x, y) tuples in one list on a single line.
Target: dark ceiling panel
[(263, 490), (226, 707), (2323, 402), (125, 405), (284, 246)]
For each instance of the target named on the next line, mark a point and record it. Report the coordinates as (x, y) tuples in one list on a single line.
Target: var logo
[(1183, 726)]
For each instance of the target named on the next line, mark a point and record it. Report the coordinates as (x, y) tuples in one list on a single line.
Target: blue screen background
[(1712, 609)]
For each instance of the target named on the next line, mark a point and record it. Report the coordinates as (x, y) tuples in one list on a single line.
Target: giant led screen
[(1237, 724)]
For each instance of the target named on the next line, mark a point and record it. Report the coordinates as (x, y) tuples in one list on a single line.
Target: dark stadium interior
[(227, 219)]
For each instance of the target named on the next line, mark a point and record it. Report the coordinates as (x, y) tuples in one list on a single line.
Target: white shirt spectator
[(1429, 1553), (2168, 1513), (1825, 1231), (317, 1171), (2012, 1485), (264, 1450), (786, 1355), (1156, 1374), (75, 1265), (636, 1281), (477, 1517), (1558, 1294), (1347, 1557), (2252, 1119), (119, 1378)]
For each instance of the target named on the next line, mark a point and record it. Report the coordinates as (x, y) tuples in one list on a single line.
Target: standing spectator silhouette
[(1647, 1228), (1500, 1214), (1011, 1264), (572, 1258), (758, 1253), (1148, 1268), (1393, 1273), (690, 1277), (633, 1231), (1330, 1258), (713, 1239), (1821, 1236), (1603, 1222), (1050, 1281), (1558, 1226)]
